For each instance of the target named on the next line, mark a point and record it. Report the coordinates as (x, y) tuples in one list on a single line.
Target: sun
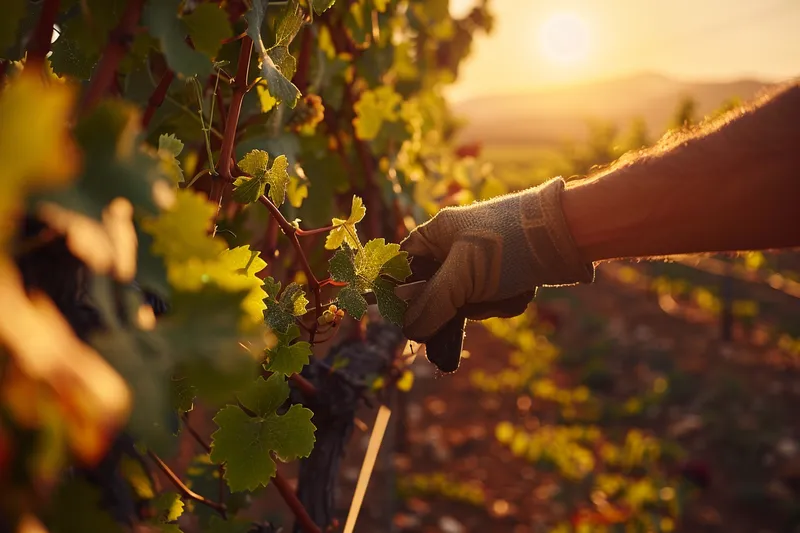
[(564, 39)]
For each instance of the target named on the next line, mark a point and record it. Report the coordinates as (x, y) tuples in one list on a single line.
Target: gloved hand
[(497, 250)]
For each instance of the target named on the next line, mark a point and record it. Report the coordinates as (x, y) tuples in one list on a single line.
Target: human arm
[(731, 185)]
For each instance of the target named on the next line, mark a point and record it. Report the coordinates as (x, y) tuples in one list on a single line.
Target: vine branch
[(185, 491), (42, 35), (118, 43), (231, 124), (157, 98), (303, 519)]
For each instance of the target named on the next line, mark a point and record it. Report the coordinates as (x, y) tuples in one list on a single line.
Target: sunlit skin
[(564, 39)]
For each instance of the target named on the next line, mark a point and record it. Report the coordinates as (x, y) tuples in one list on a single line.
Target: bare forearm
[(734, 185)]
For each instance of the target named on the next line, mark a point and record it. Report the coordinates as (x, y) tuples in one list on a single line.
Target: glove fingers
[(416, 244), (431, 239), (507, 308), (443, 295)]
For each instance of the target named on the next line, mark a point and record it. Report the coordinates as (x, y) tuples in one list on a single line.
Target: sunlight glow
[(564, 39)]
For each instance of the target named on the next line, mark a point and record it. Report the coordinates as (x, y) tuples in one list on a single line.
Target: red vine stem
[(310, 232), (291, 232), (157, 98), (305, 522), (231, 123), (42, 35), (195, 434), (184, 490), (306, 387), (118, 42)]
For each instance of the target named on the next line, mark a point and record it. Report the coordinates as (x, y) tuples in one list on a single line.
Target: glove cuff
[(555, 254)]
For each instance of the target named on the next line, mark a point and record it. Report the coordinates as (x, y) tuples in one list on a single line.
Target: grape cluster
[(308, 113)]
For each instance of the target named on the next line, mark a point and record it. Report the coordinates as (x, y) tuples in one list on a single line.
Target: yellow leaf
[(233, 270), (107, 247), (373, 109), (35, 144), (344, 230), (182, 232)]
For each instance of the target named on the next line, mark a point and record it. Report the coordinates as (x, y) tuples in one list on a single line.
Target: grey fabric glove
[(490, 251)]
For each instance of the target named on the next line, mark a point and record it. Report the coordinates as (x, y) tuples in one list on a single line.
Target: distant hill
[(551, 116)]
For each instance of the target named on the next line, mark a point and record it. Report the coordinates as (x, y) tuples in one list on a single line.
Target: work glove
[(493, 256)]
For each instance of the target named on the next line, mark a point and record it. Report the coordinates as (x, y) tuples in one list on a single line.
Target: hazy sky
[(690, 39)]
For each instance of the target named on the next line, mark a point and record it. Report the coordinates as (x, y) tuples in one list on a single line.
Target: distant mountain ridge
[(552, 116)]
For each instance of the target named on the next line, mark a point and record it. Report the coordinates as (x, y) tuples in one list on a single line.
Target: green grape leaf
[(294, 299), (162, 19), (13, 12), (208, 26), (351, 301), (110, 133), (390, 306), (296, 192), (254, 163), (169, 148), (371, 258), (320, 6), (284, 61), (286, 358), (397, 267), (278, 84), (341, 266), (168, 506), (245, 444), (373, 109), (182, 392), (180, 233), (278, 179), (288, 24), (362, 272), (232, 270), (247, 190), (69, 59), (281, 312), (344, 230), (286, 27)]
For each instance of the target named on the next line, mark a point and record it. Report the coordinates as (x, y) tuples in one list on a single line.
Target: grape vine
[(178, 175)]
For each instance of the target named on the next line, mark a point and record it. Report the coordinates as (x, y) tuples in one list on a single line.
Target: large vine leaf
[(287, 357), (163, 21), (180, 233), (344, 230), (278, 82), (208, 26), (245, 443)]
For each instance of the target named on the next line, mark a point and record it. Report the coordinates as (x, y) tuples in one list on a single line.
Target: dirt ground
[(728, 416)]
